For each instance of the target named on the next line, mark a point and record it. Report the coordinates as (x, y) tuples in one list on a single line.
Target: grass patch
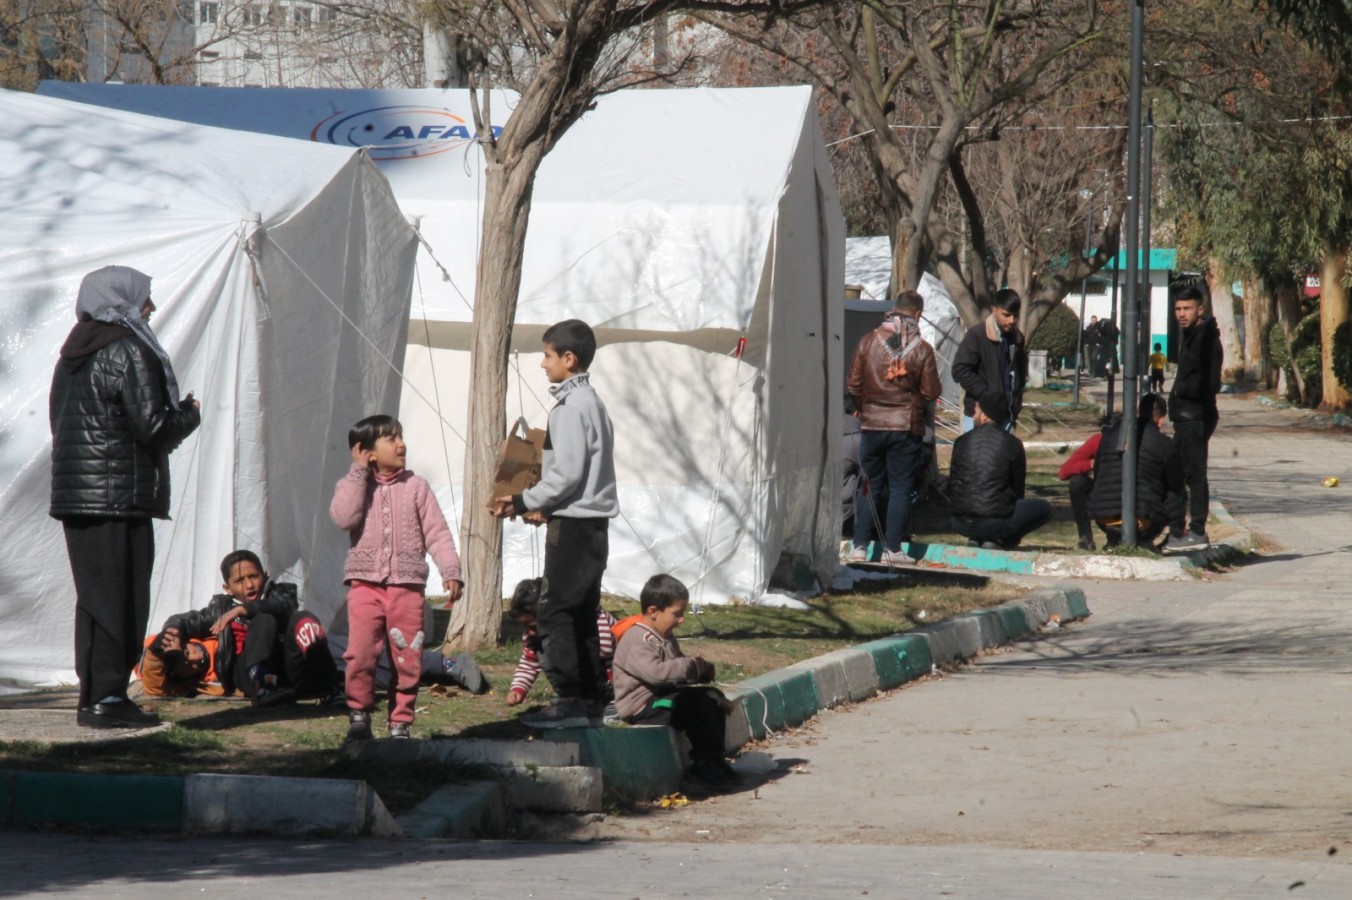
[(304, 740)]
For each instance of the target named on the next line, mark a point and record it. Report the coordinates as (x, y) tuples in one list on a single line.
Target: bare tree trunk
[(1332, 313), (1288, 313), (1259, 307), (511, 163), (1223, 308), (909, 262)]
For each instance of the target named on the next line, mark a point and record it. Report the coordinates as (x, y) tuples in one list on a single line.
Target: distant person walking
[(1192, 409), (992, 362), (1108, 335), (115, 416), (892, 378), (1089, 346)]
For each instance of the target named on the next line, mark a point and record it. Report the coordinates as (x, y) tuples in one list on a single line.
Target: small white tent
[(868, 264), (282, 272), (683, 225)]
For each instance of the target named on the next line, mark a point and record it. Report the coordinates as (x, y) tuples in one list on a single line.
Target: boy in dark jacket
[(986, 482), (1192, 409), (1159, 483), (992, 361), (269, 649)]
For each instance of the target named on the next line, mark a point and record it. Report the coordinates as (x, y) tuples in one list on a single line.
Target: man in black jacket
[(1159, 482), (1192, 409), (115, 416), (269, 648), (992, 361), (986, 482)]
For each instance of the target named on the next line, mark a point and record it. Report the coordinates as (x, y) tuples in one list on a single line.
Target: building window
[(301, 16), (328, 14), (253, 14), (209, 54), (208, 12), (252, 54)]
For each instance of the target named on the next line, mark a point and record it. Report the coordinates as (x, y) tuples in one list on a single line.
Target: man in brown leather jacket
[(892, 378)]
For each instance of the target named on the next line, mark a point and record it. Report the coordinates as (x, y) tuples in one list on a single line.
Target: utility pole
[(1147, 316), (1088, 196), (1130, 320)]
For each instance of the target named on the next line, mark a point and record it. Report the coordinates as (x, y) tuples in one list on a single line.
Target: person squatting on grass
[(1159, 481), (656, 684), (394, 522), (267, 648), (986, 482), (115, 415), (523, 610), (576, 495)]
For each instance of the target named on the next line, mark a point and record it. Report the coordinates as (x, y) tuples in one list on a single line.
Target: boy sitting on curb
[(655, 684)]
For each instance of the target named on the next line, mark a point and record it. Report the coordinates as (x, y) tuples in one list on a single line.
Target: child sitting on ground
[(655, 684), (395, 522), (525, 602)]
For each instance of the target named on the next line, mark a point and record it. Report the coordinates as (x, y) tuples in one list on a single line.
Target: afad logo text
[(398, 132)]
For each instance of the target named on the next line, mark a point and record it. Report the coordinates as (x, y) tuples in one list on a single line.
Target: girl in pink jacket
[(394, 522)]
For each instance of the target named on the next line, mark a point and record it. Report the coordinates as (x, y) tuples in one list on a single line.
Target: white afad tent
[(698, 231), (282, 274)]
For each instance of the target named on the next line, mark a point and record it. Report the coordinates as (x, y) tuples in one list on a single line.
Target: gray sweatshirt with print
[(578, 476)]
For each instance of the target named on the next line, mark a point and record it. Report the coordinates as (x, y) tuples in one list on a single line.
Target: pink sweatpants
[(377, 613)]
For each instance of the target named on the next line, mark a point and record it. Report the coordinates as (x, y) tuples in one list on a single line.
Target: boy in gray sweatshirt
[(576, 499)]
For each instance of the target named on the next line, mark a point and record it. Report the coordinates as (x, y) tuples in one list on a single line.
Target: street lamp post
[(1087, 195), (1131, 308)]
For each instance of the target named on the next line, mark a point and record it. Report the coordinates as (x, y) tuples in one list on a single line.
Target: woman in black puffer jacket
[(115, 417)]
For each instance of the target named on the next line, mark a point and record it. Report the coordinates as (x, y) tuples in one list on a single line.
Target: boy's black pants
[(576, 551), (695, 711), (1191, 439), (1080, 487), (297, 653), (111, 561)]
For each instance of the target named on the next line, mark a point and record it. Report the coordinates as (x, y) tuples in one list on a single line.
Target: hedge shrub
[(1057, 334)]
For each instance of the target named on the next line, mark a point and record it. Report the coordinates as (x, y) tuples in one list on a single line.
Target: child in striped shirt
[(525, 600)]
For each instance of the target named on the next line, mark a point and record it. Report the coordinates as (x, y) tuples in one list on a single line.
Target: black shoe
[(358, 726), (274, 696), (1190, 542), (561, 714), (335, 697), (1085, 545), (707, 776), (115, 714), (464, 671)]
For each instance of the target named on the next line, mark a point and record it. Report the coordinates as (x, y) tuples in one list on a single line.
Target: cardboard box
[(520, 461)]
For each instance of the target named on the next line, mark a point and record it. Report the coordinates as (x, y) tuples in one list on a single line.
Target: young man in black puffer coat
[(986, 481), (1159, 481)]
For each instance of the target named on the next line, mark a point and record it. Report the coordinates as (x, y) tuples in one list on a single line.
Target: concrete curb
[(195, 804), (1183, 567)]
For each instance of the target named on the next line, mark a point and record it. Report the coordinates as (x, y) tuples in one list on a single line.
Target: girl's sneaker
[(358, 725), (401, 730)]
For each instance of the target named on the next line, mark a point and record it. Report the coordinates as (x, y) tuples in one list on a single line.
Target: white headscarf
[(115, 294)]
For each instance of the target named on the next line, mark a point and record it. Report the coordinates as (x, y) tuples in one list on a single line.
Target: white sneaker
[(896, 558), (857, 555)]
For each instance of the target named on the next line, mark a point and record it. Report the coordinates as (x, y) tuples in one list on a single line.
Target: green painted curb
[(101, 801), (899, 659), (764, 705), (797, 694), (1078, 603), (1015, 620), (635, 762)]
